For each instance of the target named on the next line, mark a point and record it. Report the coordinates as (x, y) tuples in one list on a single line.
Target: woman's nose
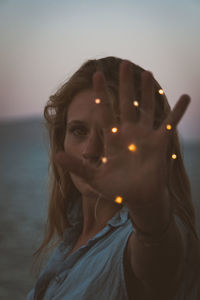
[(93, 149)]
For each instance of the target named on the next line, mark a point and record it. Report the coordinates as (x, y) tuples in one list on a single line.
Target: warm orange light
[(135, 103), (174, 156), (97, 101), (118, 199), (132, 147), (161, 92), (168, 126), (104, 159), (114, 129)]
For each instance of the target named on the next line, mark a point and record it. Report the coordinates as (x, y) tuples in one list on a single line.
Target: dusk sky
[(43, 42)]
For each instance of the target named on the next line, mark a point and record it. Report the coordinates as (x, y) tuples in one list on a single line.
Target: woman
[(120, 204)]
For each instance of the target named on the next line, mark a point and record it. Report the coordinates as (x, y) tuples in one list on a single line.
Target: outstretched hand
[(135, 159)]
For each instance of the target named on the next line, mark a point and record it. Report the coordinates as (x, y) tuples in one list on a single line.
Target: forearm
[(158, 267)]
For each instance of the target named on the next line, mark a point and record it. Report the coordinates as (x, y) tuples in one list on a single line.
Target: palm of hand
[(133, 175)]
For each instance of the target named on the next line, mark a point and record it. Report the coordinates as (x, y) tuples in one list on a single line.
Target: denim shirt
[(95, 270)]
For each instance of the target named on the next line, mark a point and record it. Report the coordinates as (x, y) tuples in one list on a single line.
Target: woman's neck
[(105, 210)]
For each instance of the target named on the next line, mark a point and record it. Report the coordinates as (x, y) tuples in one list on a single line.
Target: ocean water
[(23, 199)]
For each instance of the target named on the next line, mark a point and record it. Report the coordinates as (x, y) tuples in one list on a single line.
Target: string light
[(168, 126), (104, 159), (161, 92), (132, 147), (174, 156), (97, 101), (135, 103), (114, 129), (118, 199)]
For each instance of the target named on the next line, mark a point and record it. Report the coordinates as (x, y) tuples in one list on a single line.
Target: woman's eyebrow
[(76, 122)]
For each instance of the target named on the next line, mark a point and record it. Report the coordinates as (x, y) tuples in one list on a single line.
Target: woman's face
[(84, 137)]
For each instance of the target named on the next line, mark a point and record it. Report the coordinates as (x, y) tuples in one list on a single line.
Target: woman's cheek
[(72, 146)]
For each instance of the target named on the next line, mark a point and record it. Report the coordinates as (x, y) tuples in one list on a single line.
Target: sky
[(42, 43)]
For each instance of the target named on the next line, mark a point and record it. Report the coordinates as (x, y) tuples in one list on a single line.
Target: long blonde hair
[(62, 190)]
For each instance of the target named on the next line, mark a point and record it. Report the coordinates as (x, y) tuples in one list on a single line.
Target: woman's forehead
[(83, 107)]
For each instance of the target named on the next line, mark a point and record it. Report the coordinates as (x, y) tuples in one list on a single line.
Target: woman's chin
[(84, 188)]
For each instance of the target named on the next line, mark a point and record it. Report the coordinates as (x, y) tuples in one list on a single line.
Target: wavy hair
[(62, 189)]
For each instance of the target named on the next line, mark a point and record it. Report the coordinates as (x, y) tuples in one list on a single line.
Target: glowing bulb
[(104, 159), (168, 126), (132, 147), (135, 103), (97, 101), (118, 199), (174, 156), (114, 129), (161, 92)]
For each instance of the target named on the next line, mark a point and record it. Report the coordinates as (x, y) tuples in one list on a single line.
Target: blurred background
[(42, 43)]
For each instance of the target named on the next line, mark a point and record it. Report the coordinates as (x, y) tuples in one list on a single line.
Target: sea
[(24, 189)]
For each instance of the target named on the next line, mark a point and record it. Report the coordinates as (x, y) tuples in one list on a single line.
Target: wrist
[(152, 222)]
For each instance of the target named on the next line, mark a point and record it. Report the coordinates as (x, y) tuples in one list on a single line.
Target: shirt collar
[(120, 217), (75, 218)]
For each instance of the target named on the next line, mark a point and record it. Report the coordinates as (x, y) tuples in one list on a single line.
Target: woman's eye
[(78, 131)]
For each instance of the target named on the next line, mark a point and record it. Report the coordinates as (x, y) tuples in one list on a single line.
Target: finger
[(148, 100), (104, 107), (176, 114), (127, 92), (75, 165)]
